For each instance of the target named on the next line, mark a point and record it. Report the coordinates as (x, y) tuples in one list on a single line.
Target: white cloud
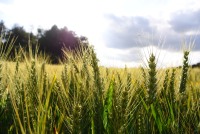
[(88, 18)]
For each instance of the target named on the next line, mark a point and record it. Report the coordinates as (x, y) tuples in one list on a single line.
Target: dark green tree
[(22, 37), (52, 41), (2, 27)]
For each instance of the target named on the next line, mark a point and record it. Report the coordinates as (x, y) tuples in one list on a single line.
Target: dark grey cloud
[(175, 41), (130, 32), (197, 44), (123, 31), (184, 21), (193, 38)]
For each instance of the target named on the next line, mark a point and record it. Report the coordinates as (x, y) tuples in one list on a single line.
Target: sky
[(123, 32)]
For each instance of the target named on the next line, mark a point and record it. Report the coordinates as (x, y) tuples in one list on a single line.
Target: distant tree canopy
[(22, 37), (2, 27), (196, 65), (50, 41)]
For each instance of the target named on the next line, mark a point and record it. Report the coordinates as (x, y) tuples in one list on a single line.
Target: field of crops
[(78, 96)]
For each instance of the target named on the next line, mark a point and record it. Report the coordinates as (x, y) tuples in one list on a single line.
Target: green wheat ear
[(1, 69), (76, 119), (171, 91), (64, 76), (144, 75), (184, 72), (152, 82), (165, 83), (98, 95)]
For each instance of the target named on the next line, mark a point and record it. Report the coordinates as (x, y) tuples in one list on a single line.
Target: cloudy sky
[(123, 32)]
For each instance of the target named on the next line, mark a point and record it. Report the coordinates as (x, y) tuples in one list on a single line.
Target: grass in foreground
[(78, 96)]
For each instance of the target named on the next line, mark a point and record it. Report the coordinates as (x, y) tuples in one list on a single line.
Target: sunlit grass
[(78, 96)]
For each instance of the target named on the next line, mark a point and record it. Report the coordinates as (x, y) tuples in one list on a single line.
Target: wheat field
[(80, 97)]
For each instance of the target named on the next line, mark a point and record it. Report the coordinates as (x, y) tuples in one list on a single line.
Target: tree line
[(51, 41)]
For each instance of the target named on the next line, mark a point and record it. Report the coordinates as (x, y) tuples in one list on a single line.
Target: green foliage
[(108, 105)]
